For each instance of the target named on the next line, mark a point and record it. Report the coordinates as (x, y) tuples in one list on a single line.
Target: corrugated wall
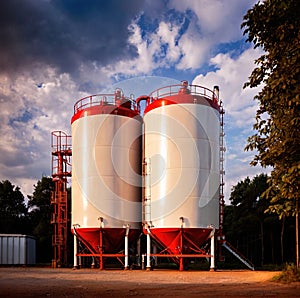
[(17, 249)]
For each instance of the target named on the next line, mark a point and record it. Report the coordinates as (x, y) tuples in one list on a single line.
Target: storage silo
[(181, 169), (106, 175)]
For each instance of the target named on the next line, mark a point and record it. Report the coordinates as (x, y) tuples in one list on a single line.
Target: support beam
[(238, 255), (181, 266), (212, 250), (148, 262), (75, 253), (61, 171), (126, 266), (138, 249), (101, 249)]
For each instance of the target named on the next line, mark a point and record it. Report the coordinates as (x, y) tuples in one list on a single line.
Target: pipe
[(126, 266), (93, 263), (143, 261), (216, 94), (140, 98), (212, 250), (147, 210), (148, 262), (184, 88), (147, 196)]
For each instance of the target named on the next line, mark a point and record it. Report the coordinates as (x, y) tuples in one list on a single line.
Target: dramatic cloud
[(64, 34), (211, 23), (184, 36), (30, 110), (217, 19), (53, 52)]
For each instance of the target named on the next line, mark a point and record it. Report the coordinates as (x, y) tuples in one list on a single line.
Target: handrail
[(60, 141), (116, 98), (238, 255), (184, 87)]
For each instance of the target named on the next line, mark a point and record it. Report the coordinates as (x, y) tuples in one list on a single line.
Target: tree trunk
[(297, 234), (262, 242), (272, 246), (281, 238)]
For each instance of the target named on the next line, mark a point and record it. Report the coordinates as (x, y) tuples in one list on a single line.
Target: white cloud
[(144, 61), (194, 50), (166, 35), (212, 23), (220, 19), (155, 49), (37, 101), (32, 105), (230, 75), (215, 22)]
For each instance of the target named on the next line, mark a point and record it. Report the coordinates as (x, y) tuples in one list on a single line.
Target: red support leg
[(101, 249), (181, 267)]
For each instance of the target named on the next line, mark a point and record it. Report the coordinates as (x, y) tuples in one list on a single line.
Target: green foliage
[(13, 211), (248, 192), (40, 216), (274, 25), (11, 200), (246, 215), (41, 196), (257, 234), (16, 218), (289, 274)]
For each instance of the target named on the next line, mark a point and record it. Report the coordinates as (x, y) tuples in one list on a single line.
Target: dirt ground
[(48, 282)]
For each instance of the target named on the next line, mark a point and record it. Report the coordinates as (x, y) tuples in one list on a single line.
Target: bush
[(289, 274)]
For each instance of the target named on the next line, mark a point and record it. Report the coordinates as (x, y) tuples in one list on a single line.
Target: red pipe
[(140, 98)]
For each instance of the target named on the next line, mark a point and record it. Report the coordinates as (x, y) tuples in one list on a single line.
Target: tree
[(13, 211), (250, 207), (274, 25), (40, 214)]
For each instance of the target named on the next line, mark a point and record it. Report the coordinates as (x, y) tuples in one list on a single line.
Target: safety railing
[(183, 88), (60, 141), (105, 99)]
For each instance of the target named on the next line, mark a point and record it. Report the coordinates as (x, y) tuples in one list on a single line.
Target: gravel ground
[(48, 282)]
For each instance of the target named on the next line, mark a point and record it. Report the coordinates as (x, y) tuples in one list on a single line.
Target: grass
[(289, 274)]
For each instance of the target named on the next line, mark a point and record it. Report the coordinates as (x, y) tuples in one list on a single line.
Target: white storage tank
[(181, 166), (17, 249), (106, 171)]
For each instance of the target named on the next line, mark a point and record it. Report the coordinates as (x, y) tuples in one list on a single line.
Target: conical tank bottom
[(112, 238), (181, 240)]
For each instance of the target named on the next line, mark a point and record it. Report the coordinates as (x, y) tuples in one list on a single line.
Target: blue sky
[(54, 52)]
